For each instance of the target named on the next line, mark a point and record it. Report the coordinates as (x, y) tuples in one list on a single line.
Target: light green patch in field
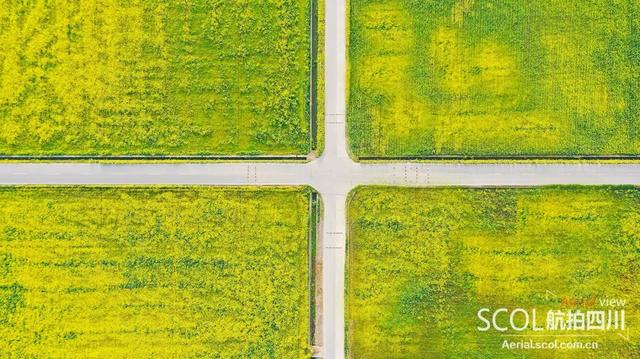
[(138, 272), (422, 262), (491, 77), (154, 78)]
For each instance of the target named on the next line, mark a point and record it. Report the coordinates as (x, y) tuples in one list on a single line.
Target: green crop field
[(423, 262), (154, 272), (154, 78), (494, 78)]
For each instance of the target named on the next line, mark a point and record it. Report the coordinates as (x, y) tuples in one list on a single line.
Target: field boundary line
[(155, 158), (313, 75), (314, 223), (506, 157)]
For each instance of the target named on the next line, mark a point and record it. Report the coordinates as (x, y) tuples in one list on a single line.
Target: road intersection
[(333, 175)]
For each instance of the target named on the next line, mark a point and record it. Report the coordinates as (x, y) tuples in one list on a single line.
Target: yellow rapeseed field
[(154, 272), (422, 263), (494, 78), (154, 78)]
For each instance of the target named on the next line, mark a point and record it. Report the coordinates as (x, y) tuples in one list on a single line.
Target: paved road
[(333, 175), (329, 178)]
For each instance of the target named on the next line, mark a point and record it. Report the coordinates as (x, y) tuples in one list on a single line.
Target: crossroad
[(333, 175)]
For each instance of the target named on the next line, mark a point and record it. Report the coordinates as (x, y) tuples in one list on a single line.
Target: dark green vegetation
[(161, 272), (154, 78), (422, 262), (494, 78)]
